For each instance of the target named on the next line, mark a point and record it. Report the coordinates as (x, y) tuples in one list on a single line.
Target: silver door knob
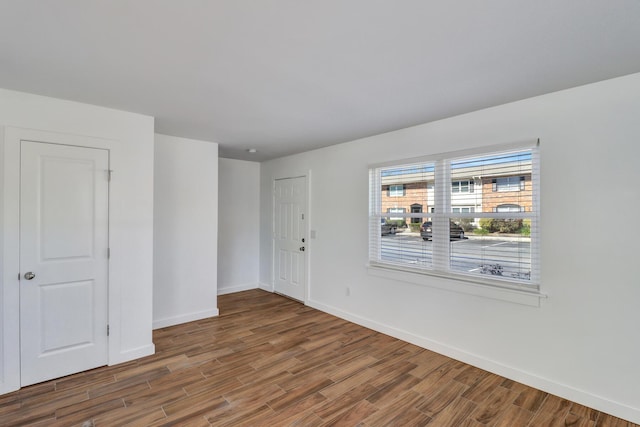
[(29, 275)]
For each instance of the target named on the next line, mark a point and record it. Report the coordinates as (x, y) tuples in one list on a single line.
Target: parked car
[(455, 231), (386, 228)]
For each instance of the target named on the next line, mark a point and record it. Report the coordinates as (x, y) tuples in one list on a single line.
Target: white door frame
[(10, 246), (307, 227)]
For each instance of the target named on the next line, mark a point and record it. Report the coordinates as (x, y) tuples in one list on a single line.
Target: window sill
[(459, 283)]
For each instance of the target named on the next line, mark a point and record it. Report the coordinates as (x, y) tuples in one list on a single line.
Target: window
[(511, 183), (489, 237), (396, 190), (508, 208), (463, 209), (396, 211), (465, 186)]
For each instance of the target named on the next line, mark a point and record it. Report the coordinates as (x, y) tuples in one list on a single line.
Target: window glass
[(482, 216), (396, 190), (464, 186), (396, 210), (508, 208)]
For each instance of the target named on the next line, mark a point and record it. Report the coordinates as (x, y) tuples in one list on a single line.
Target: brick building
[(497, 184)]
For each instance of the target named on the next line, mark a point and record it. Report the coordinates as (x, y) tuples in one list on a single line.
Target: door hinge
[(107, 330)]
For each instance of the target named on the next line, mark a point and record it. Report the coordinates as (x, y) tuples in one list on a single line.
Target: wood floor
[(269, 361)]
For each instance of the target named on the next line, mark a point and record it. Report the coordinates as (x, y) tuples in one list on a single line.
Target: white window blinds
[(460, 214)]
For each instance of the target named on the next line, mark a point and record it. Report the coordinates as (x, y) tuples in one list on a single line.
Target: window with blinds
[(469, 215)]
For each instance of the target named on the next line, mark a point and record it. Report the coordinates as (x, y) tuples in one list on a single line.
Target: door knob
[(29, 275)]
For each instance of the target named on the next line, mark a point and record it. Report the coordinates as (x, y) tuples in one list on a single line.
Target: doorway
[(289, 237), (63, 280)]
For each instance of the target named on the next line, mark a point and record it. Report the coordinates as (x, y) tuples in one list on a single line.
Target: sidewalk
[(504, 237), (471, 236)]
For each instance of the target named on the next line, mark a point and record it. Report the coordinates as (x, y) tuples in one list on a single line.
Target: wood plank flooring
[(270, 361)]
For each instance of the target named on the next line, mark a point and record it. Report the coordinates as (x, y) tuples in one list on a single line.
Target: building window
[(463, 209), (396, 190), (493, 239), (465, 186), (509, 208), (510, 183), (396, 211)]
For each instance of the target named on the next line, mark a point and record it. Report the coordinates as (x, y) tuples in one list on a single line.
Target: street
[(507, 257)]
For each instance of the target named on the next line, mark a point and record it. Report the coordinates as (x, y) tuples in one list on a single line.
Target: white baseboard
[(238, 288), (582, 397), (265, 287), (184, 318)]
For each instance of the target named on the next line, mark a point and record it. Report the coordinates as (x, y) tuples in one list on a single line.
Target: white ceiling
[(286, 76)]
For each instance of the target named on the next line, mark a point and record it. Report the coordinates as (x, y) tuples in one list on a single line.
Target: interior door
[(290, 242), (63, 260)]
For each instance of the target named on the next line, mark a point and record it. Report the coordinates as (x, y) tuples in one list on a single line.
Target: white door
[(63, 260), (290, 241)]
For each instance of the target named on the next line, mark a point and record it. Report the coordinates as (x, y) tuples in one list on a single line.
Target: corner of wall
[(185, 318), (266, 287), (185, 230), (224, 290)]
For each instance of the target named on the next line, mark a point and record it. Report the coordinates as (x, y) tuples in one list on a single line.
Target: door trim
[(307, 227), (10, 246)]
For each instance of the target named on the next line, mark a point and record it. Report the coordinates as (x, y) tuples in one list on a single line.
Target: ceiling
[(286, 76)]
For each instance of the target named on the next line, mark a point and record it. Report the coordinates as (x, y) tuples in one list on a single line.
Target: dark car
[(386, 228), (455, 231)]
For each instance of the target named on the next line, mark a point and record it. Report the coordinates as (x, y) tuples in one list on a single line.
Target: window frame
[(443, 194), (519, 185), (398, 191), (508, 208), (396, 210), (469, 185), (470, 209)]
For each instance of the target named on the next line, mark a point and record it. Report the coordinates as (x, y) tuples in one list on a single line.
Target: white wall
[(131, 218), (238, 229), (185, 230), (582, 342)]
